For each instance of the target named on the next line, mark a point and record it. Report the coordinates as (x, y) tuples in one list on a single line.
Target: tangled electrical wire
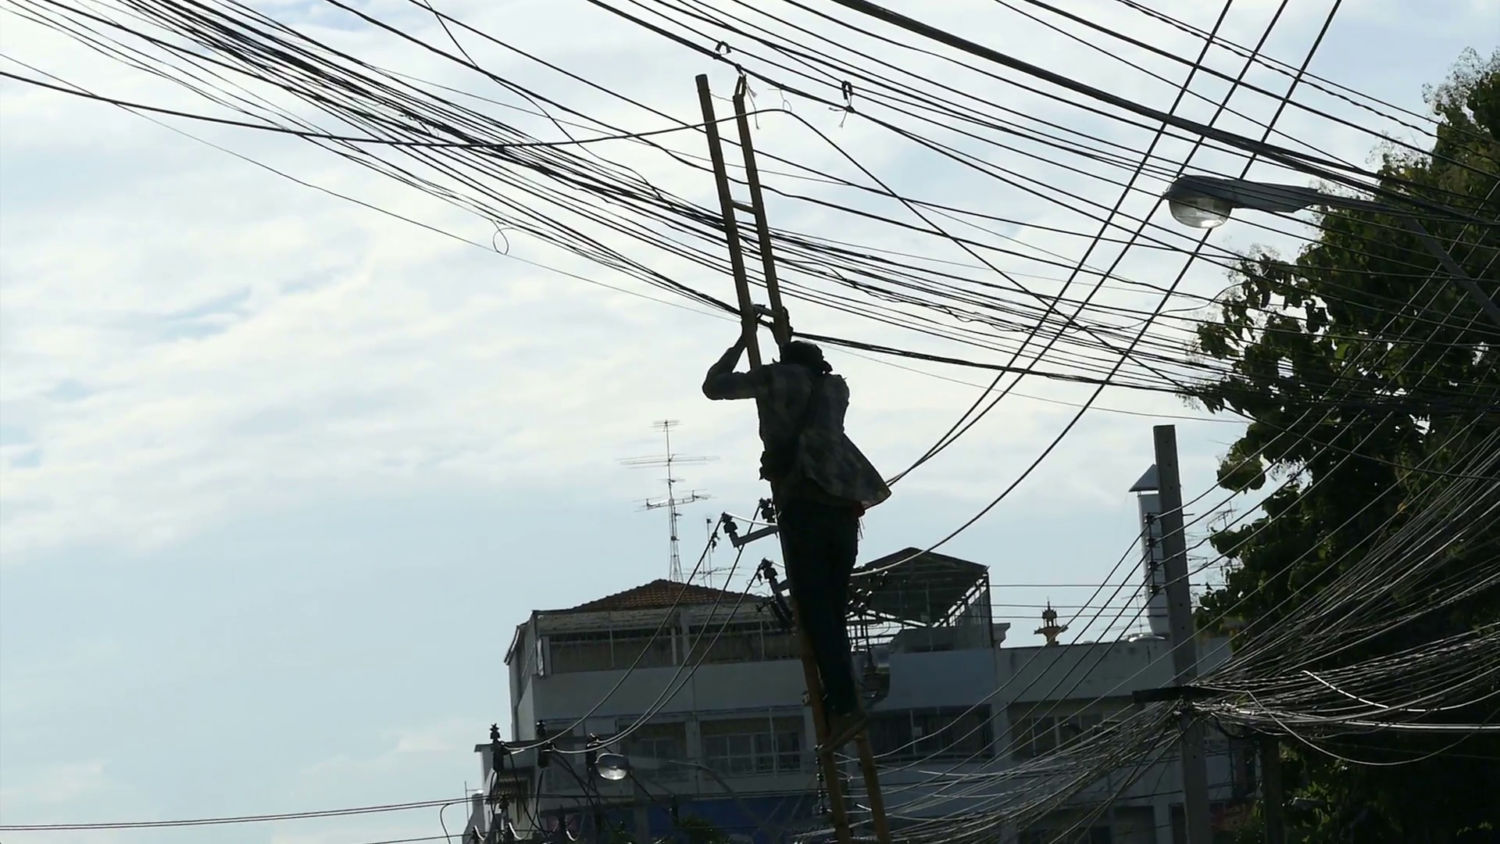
[(567, 194), (1327, 670)]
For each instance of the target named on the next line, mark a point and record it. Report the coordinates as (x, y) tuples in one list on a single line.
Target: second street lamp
[(612, 767), (1205, 202)]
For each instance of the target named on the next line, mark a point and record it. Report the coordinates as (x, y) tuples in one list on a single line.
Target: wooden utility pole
[(782, 331), (1184, 631)]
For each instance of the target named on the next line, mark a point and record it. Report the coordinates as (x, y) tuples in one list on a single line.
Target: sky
[(279, 473)]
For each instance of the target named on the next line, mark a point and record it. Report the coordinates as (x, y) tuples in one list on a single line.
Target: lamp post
[(1205, 202)]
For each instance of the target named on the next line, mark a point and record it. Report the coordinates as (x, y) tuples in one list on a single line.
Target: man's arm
[(722, 382)]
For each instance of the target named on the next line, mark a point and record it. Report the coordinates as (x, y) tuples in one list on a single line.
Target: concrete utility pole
[(1184, 642), (1273, 793)]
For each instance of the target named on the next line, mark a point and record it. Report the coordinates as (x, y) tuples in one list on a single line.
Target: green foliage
[(1355, 363), (1254, 832)]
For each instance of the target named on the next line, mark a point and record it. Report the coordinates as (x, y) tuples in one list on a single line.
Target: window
[(725, 643), (1039, 736), (579, 652), (642, 649), (1071, 729), (753, 641), (779, 644), (665, 741), (750, 746), (566, 771), (609, 650), (953, 733)]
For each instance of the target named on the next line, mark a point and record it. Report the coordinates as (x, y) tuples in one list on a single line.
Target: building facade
[(703, 691)]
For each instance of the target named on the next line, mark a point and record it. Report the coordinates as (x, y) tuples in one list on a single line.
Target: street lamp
[(1205, 202), (612, 767)]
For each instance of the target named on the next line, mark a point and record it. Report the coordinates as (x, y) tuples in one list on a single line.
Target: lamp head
[(1205, 202), (1198, 211), (612, 766)]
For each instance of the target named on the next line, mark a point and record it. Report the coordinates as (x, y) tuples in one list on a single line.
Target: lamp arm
[(1281, 199), (1453, 268)]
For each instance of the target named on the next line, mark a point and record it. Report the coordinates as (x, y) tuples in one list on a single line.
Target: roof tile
[(658, 594)]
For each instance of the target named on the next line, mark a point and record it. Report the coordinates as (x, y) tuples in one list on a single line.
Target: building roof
[(656, 595), (917, 586), (1149, 482)]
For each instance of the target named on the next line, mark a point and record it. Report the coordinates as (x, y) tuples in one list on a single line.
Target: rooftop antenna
[(710, 574), (673, 501)]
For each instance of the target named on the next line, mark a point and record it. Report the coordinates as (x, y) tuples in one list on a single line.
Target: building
[(703, 691)]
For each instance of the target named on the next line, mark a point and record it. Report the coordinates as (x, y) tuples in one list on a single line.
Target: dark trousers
[(820, 542)]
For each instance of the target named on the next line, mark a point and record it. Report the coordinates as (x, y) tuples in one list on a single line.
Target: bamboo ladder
[(781, 330)]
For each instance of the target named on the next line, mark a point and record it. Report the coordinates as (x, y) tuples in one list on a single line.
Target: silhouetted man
[(823, 485)]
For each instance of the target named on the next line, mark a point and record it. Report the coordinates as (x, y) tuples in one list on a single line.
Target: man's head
[(803, 353)]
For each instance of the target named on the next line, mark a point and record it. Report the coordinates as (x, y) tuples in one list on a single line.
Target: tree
[(1367, 376)]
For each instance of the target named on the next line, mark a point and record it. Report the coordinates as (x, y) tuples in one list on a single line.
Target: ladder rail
[(872, 787), (749, 325), (781, 326), (825, 758)]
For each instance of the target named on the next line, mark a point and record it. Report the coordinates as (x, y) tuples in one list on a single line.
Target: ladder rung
[(742, 206)]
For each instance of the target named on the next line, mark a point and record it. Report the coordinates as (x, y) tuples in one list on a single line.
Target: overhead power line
[(236, 819)]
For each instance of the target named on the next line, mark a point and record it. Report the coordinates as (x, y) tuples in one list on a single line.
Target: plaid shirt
[(825, 455)]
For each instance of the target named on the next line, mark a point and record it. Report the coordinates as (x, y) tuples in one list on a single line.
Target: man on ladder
[(820, 482), (822, 486)]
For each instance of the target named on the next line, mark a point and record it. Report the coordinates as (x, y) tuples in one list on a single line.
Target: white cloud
[(441, 750), (233, 341), (61, 785), (30, 686), (445, 741), (68, 792)]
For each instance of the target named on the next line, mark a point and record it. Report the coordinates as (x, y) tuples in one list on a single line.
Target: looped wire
[(500, 233), (847, 89), (722, 49), (742, 89)]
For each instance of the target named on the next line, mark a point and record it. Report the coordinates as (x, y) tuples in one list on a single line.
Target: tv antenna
[(673, 501)]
